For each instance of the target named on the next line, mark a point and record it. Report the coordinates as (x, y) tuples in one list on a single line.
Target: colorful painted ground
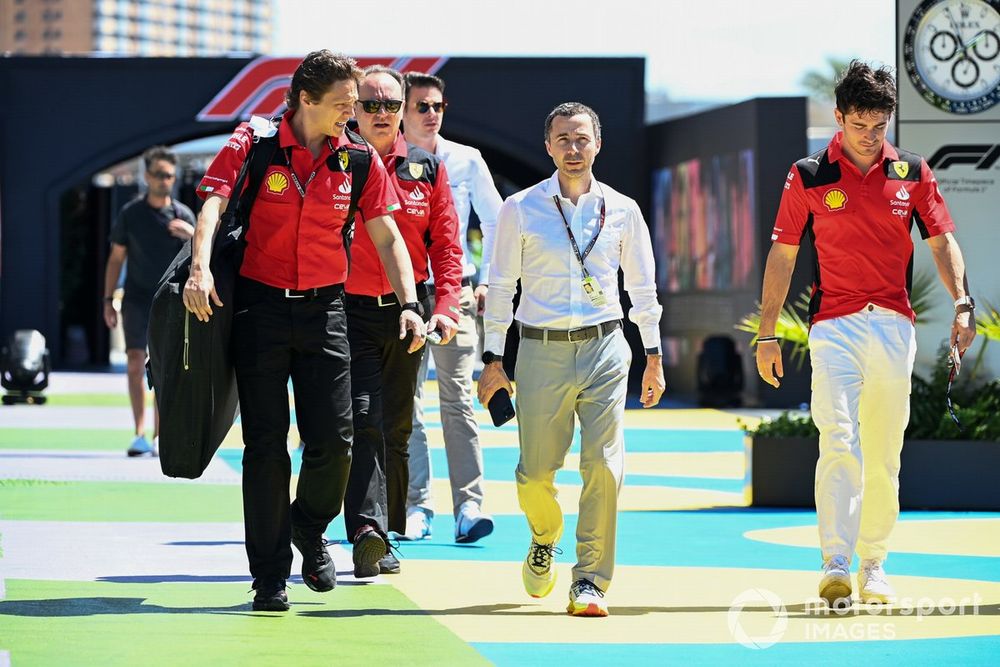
[(107, 562)]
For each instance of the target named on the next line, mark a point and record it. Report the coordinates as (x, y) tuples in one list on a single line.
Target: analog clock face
[(951, 51)]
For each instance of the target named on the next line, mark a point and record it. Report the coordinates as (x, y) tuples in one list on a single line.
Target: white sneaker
[(586, 599), (418, 525), (835, 586), (472, 525), (140, 446), (537, 572), (873, 586)]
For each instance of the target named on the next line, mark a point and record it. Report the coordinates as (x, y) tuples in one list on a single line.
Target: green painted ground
[(95, 623), (65, 439), (96, 400), (119, 501)]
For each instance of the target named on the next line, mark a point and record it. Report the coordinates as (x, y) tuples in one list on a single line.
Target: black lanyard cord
[(572, 239), (295, 179)]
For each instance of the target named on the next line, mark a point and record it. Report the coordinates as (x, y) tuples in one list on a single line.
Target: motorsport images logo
[(757, 618), (835, 199), (277, 183)]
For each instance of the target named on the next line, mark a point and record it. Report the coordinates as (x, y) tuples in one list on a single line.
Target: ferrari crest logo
[(344, 160), (901, 168), (277, 183), (835, 199), (416, 170)]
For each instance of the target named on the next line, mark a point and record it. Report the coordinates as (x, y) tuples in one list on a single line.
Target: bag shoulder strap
[(252, 174)]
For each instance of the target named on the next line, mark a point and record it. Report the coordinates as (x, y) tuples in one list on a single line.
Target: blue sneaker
[(140, 446)]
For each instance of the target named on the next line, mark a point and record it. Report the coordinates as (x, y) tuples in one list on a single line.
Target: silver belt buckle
[(383, 305), (289, 295)]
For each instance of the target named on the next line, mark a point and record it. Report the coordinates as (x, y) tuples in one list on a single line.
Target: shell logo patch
[(416, 169), (277, 183), (901, 168), (835, 199)]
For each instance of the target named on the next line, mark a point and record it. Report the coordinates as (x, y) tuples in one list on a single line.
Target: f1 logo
[(983, 156)]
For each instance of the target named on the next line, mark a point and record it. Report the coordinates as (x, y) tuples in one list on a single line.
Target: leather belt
[(466, 282), (283, 293), (571, 335), (382, 300)]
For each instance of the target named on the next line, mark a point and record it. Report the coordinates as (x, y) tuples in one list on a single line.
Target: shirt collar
[(835, 151), (398, 151), (552, 187), (286, 138)]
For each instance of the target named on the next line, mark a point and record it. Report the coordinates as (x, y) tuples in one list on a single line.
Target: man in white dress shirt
[(565, 239), (471, 187)]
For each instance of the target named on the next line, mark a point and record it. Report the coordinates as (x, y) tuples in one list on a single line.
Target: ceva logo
[(259, 88)]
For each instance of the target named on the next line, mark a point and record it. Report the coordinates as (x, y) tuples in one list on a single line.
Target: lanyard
[(572, 239), (295, 179)]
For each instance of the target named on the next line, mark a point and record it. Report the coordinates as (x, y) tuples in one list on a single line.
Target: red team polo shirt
[(860, 225), (428, 224), (295, 242)]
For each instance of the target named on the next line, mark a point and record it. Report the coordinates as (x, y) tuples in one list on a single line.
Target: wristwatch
[(414, 306), (489, 358), (965, 304)]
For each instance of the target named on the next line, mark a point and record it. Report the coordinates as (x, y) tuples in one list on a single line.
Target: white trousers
[(556, 382), (861, 404)]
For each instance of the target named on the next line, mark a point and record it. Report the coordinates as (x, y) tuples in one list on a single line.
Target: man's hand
[(653, 383), (963, 330), (480, 295), (180, 229), (199, 294), (110, 315), (445, 325), (769, 362), (491, 380), (410, 321)]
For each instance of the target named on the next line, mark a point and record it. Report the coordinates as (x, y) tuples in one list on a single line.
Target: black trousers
[(275, 338), (383, 381)]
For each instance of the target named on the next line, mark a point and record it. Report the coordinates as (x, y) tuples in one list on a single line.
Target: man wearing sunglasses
[(472, 188), (149, 232), (859, 199), (383, 371)]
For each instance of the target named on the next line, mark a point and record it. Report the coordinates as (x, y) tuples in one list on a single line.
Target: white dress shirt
[(471, 187), (531, 243)]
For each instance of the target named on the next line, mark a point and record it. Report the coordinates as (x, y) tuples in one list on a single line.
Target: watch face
[(951, 51)]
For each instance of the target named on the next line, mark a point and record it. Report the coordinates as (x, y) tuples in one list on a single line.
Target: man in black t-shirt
[(149, 232)]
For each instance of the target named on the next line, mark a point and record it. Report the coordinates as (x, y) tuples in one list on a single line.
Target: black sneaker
[(369, 548), (271, 595), (388, 564), (318, 570)]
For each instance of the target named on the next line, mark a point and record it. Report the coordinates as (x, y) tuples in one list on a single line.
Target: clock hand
[(972, 42), (954, 26)]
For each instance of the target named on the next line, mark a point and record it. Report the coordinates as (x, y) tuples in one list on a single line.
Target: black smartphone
[(501, 409)]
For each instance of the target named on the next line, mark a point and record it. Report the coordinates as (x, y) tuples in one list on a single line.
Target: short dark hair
[(156, 153), (570, 109), (317, 72), (422, 80), (863, 89), (382, 69)]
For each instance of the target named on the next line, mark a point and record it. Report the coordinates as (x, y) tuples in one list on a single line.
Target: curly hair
[(863, 89), (317, 72)]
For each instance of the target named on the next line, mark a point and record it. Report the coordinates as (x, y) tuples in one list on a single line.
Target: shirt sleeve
[(119, 230), (379, 197), (486, 201), (445, 252), (793, 212), (221, 175), (505, 270), (639, 274), (930, 210)]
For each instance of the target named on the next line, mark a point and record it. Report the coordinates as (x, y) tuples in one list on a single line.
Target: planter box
[(935, 474)]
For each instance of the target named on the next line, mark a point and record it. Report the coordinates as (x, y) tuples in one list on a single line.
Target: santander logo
[(902, 193)]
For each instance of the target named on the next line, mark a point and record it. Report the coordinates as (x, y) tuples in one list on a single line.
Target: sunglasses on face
[(424, 107), (372, 106), (162, 175)]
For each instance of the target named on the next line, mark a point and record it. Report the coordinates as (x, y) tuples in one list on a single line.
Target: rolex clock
[(951, 52)]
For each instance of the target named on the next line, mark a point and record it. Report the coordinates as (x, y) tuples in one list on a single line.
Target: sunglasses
[(372, 106), (424, 107), (162, 175)]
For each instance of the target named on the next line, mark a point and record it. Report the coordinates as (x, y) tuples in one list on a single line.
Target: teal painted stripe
[(950, 651)]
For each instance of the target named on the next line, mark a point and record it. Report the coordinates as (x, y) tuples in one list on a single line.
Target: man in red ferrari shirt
[(383, 374), (858, 200), (289, 318)]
